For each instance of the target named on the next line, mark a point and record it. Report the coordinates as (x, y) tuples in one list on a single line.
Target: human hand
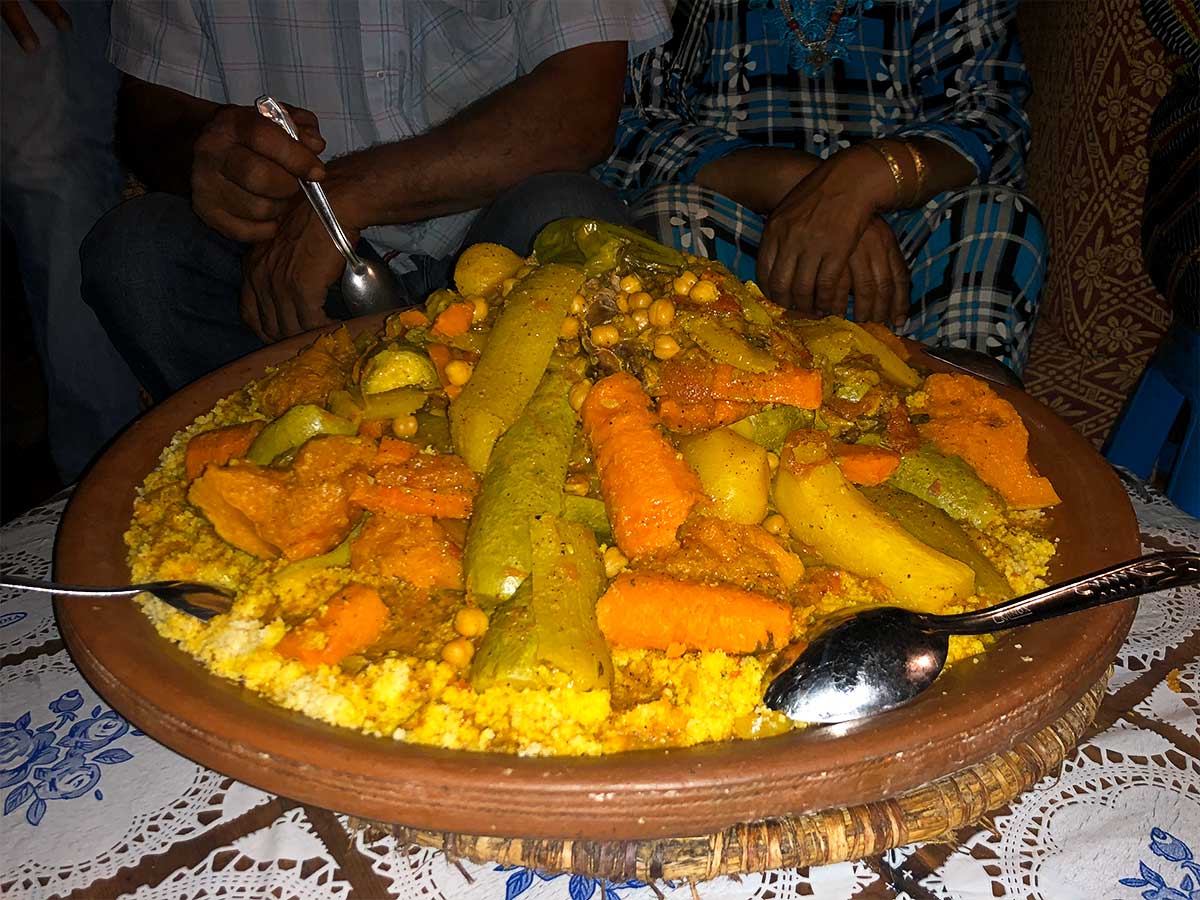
[(878, 276), (18, 24), (245, 170), (803, 261), (286, 278)]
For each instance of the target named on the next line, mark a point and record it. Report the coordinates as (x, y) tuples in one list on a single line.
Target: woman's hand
[(245, 170), (804, 261), (879, 277)]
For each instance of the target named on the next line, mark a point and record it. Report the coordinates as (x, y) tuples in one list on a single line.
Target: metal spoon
[(368, 285), (977, 363), (877, 659), (203, 601)]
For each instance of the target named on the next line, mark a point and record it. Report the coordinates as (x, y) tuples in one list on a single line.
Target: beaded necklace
[(814, 31)]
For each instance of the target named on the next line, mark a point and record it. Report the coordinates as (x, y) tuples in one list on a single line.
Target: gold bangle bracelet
[(894, 164), (919, 165)]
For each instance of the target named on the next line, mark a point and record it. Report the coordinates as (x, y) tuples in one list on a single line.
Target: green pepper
[(949, 484), (834, 338), (590, 512), (602, 247), (551, 619), (293, 428), (770, 427), (727, 346), (337, 558), (750, 298), (433, 430), (931, 526), (521, 343), (391, 368), (524, 479), (385, 405)]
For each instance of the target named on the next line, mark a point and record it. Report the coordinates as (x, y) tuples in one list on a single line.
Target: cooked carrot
[(413, 501), (888, 338), (649, 611), (689, 382), (439, 355), (219, 446), (866, 465), (373, 428), (969, 419), (412, 318), (393, 452), (454, 320), (353, 620), (648, 489), (691, 417)]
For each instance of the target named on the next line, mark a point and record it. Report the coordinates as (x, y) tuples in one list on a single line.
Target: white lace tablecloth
[(94, 808)]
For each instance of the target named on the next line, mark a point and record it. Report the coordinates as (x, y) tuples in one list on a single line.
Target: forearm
[(945, 169), (157, 128), (560, 117), (757, 178)]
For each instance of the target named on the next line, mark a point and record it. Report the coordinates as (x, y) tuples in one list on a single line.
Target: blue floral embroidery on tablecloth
[(579, 887), (1174, 850), (41, 764)]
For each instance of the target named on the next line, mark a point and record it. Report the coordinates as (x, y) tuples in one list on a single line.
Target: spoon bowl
[(368, 284), (877, 659)]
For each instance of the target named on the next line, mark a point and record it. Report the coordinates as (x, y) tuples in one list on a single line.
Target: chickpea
[(640, 300), (641, 318), (470, 622), (506, 286), (569, 328), (623, 302), (605, 335), (684, 282), (704, 292), (405, 426), (665, 346), (459, 371), (614, 562), (775, 524), (662, 313), (577, 304), (480, 311), (631, 284), (458, 652), (577, 485), (578, 394)]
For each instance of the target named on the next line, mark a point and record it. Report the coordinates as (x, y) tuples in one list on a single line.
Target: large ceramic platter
[(1028, 680)]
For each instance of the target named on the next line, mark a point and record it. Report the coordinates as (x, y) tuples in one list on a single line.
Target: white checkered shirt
[(372, 71)]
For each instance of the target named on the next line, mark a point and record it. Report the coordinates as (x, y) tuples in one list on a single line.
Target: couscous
[(578, 505)]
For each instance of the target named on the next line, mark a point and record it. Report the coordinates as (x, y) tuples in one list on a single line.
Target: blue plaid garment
[(373, 71), (950, 70)]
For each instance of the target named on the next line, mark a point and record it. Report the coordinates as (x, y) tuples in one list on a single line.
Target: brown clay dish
[(1030, 678)]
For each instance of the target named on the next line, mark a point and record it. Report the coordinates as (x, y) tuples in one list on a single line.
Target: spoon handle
[(68, 590), (271, 109), (1153, 572)]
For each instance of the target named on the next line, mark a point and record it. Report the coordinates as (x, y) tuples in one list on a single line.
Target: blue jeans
[(59, 176), (166, 286)]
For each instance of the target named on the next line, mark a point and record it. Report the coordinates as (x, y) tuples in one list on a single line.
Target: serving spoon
[(368, 284), (977, 363), (202, 601), (877, 659)]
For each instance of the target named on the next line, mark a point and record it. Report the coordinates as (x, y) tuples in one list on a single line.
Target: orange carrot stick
[(648, 489), (866, 465), (454, 320), (690, 383), (413, 501), (393, 452), (219, 446), (353, 620), (412, 318), (648, 611)]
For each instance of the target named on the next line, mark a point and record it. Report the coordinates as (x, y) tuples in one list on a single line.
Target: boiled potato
[(483, 267), (829, 514), (734, 473)]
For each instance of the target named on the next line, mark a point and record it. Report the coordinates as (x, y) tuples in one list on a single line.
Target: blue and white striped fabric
[(373, 71)]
